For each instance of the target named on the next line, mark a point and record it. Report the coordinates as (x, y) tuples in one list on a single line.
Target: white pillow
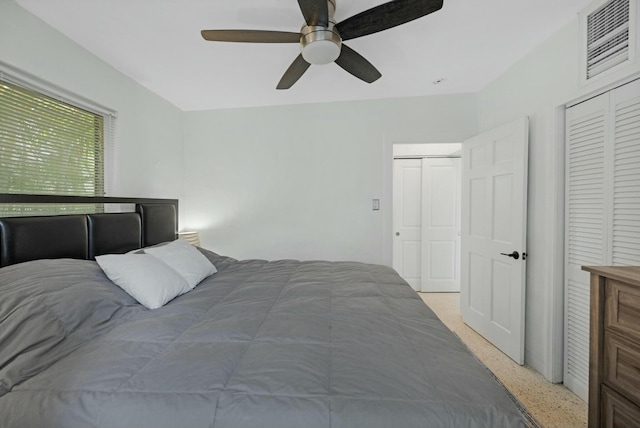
[(144, 277), (185, 259)]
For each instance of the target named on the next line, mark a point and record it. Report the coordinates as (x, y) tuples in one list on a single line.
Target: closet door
[(585, 229), (625, 230), (407, 220), (440, 225), (602, 211)]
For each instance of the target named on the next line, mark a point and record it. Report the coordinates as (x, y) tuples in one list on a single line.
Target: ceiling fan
[(321, 38)]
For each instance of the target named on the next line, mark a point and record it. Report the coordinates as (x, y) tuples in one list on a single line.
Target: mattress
[(279, 344)]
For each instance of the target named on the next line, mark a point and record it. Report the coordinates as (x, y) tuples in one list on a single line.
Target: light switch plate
[(376, 204)]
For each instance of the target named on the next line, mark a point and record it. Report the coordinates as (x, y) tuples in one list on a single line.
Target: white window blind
[(50, 146)]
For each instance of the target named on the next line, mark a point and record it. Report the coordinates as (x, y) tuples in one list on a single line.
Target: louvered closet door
[(602, 211), (586, 223), (625, 242)]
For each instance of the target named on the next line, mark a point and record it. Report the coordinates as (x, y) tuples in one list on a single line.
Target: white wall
[(539, 86), (297, 181), (149, 160)]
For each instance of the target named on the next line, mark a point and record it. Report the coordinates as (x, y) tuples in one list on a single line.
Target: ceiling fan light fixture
[(321, 52), (320, 45)]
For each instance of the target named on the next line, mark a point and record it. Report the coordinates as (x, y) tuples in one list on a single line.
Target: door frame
[(556, 236)]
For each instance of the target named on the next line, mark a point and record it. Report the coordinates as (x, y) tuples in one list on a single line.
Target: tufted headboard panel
[(114, 233), (29, 238), (84, 236)]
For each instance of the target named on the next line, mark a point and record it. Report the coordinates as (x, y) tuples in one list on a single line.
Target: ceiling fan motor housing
[(320, 45)]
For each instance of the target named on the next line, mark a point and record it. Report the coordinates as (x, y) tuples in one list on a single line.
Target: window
[(49, 146)]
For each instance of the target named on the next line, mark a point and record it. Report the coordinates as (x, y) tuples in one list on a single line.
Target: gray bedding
[(259, 344)]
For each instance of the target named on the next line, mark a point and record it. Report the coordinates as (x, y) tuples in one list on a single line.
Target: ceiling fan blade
[(354, 63), (315, 12), (251, 36), (293, 73), (385, 16)]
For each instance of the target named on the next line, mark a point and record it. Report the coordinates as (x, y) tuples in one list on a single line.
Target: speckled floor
[(552, 406)]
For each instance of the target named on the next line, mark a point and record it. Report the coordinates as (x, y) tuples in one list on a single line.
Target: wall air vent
[(608, 30)]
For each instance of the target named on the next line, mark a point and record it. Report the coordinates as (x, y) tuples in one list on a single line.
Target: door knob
[(515, 255), (397, 233)]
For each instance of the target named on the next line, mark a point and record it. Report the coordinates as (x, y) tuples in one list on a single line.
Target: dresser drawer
[(622, 309), (614, 346), (622, 365), (617, 412)]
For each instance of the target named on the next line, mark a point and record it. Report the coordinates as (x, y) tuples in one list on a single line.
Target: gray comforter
[(259, 344)]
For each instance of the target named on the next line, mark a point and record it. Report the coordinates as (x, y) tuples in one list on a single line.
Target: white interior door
[(440, 225), (407, 219), (494, 210)]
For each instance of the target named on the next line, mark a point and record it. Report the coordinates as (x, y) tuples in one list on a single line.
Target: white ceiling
[(158, 44)]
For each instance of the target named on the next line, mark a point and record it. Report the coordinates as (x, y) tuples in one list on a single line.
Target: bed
[(257, 344)]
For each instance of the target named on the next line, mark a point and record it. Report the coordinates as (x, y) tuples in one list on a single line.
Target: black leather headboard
[(30, 238), (156, 218), (114, 233), (84, 236)]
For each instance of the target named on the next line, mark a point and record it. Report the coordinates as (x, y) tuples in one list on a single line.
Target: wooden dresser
[(614, 365)]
